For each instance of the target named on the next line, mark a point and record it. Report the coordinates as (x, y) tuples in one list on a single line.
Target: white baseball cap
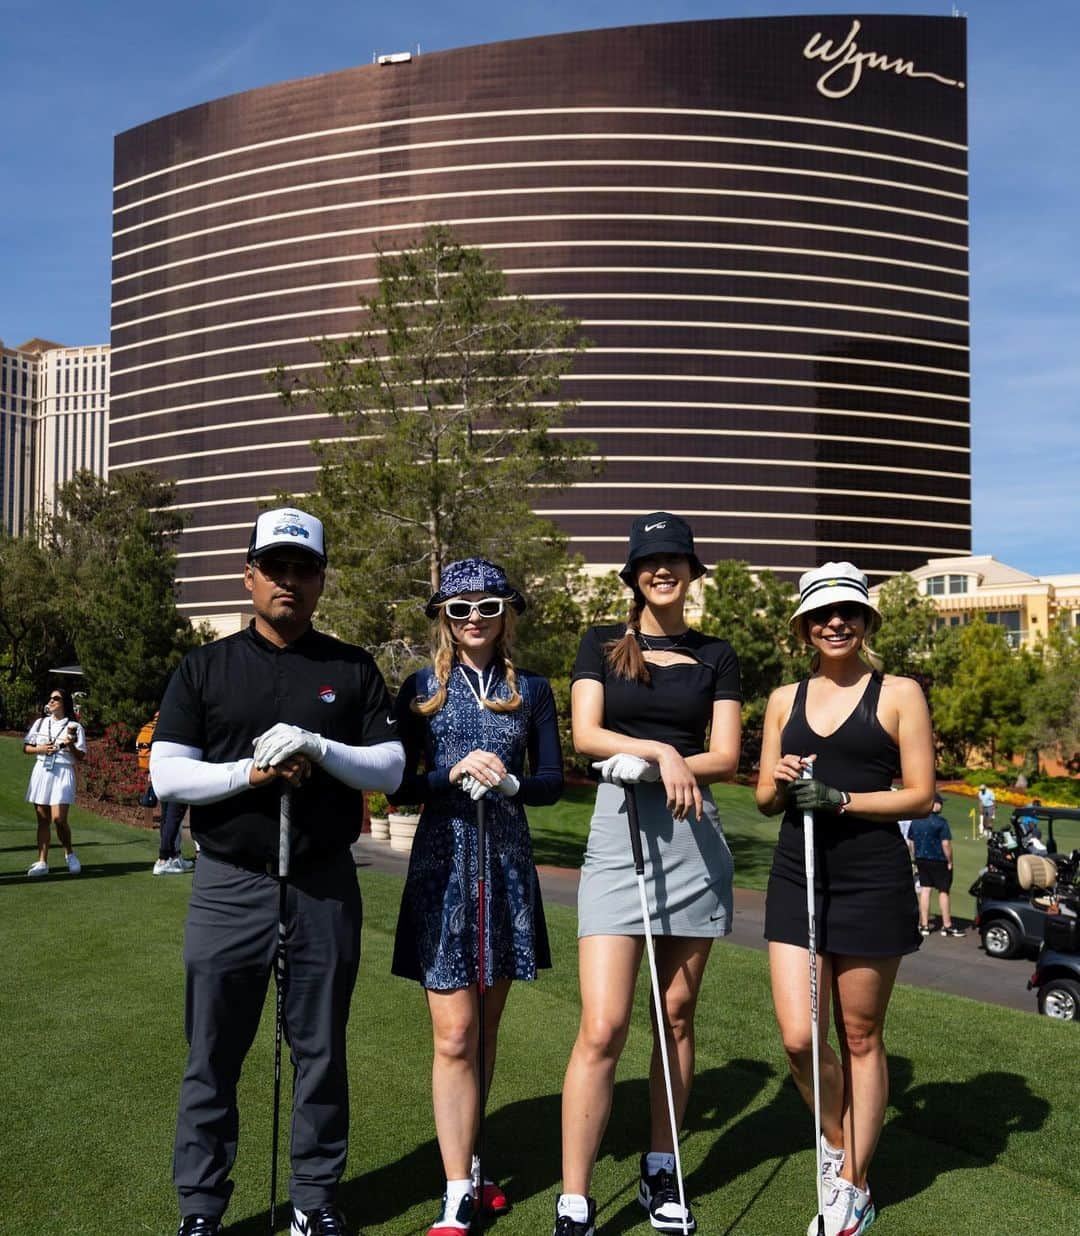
[(287, 526)]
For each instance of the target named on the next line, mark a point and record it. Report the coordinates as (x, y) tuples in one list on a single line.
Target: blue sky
[(74, 74)]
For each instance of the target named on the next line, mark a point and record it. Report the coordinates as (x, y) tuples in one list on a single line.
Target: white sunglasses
[(460, 611)]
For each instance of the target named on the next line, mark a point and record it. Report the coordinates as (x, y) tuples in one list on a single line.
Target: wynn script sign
[(846, 63)]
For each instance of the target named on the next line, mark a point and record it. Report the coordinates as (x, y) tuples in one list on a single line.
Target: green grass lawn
[(985, 1101)]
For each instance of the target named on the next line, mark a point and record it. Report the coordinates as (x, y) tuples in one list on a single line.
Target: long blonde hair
[(873, 625), (443, 651), (624, 655)]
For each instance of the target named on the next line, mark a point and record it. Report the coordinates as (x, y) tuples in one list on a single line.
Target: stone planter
[(380, 828), (402, 831)]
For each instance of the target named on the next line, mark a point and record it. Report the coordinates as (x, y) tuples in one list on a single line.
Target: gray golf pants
[(230, 942)]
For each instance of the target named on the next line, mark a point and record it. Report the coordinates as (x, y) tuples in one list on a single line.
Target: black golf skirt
[(864, 895)]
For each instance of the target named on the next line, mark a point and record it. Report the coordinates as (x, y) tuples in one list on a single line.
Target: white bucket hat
[(833, 584)]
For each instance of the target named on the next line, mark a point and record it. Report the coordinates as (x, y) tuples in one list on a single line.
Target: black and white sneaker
[(199, 1225), (659, 1194), (566, 1226), (322, 1221)]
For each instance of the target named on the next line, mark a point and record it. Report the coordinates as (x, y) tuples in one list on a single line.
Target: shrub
[(111, 770), (377, 805)]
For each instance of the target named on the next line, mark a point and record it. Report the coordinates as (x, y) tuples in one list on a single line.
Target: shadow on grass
[(753, 859), (962, 1125), (90, 871), (523, 1151)]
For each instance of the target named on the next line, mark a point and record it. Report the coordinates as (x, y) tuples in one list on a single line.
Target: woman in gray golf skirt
[(857, 729), (656, 705)]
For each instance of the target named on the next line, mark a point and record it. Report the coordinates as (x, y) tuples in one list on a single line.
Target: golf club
[(811, 935), (481, 983), (284, 824), (639, 869)]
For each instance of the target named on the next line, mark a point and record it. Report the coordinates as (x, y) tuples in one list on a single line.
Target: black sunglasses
[(300, 568), (848, 611), (461, 611), (56, 699)]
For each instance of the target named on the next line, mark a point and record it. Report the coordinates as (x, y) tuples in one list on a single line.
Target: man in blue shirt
[(930, 843)]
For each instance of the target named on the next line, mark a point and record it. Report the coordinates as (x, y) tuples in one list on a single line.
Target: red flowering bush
[(111, 771)]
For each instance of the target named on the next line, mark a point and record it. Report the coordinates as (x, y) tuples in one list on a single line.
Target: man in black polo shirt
[(276, 703)]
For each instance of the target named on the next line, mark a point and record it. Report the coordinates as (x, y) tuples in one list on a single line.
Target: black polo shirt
[(225, 694)]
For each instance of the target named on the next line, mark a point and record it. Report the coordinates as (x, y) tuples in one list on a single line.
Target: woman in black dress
[(857, 729)]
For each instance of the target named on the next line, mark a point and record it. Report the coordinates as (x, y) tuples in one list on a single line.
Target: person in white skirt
[(58, 742)]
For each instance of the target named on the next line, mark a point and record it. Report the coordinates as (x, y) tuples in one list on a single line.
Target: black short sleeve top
[(676, 705)]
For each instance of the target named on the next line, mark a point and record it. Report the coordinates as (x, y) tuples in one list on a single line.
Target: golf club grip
[(284, 837), (635, 828)]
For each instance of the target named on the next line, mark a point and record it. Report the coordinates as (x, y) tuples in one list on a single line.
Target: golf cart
[(1024, 882), (1057, 970)]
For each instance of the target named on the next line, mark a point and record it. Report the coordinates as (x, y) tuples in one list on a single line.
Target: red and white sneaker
[(848, 1211), (492, 1197)]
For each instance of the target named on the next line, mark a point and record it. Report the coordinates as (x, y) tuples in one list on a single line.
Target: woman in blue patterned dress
[(470, 722)]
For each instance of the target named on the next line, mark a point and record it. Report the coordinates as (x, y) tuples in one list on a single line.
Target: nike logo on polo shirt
[(650, 527)]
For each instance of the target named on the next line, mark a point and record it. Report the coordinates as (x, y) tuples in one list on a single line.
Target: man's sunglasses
[(299, 568), (461, 611), (848, 611)]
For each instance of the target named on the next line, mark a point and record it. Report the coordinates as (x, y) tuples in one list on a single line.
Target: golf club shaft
[(654, 978), (811, 939), (284, 843), (481, 985)]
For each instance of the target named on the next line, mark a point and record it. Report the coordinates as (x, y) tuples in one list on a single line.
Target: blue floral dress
[(436, 941)]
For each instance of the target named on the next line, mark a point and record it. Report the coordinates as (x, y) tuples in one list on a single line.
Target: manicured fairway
[(979, 1137)]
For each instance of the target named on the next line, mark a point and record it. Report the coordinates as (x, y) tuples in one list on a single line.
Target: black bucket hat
[(660, 533)]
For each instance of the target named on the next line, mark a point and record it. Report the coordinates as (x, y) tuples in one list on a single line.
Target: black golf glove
[(815, 795)]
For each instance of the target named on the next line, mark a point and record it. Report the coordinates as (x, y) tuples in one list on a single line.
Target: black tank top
[(859, 757)]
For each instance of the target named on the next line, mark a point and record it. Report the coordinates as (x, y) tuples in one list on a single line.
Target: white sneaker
[(848, 1211), (73, 864), (173, 866), (832, 1164), (38, 869)]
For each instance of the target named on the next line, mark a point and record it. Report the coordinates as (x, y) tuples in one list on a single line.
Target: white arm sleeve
[(181, 775), (378, 767)]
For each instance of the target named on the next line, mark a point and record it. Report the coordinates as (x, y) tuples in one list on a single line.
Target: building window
[(935, 586), (958, 583)]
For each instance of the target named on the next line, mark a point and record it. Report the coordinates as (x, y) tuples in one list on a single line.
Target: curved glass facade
[(761, 223)]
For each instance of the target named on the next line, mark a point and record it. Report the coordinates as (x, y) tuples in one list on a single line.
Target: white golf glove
[(626, 769), (476, 790), (283, 740), (508, 786)]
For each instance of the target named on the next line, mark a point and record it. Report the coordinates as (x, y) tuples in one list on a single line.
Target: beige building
[(54, 421), (1025, 605)]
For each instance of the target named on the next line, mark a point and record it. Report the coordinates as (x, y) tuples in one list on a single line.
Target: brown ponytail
[(624, 655)]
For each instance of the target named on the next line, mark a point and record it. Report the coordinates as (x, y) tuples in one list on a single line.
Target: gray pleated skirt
[(688, 869)]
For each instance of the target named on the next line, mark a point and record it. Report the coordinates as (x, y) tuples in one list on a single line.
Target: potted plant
[(378, 810), (403, 821)]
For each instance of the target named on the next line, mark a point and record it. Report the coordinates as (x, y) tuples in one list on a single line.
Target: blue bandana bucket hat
[(473, 575)]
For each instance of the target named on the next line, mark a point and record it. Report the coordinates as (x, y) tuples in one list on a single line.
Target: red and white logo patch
[(327, 695)]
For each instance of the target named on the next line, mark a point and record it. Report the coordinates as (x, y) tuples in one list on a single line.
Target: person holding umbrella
[(276, 707), (657, 706), (854, 729), (478, 732)]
